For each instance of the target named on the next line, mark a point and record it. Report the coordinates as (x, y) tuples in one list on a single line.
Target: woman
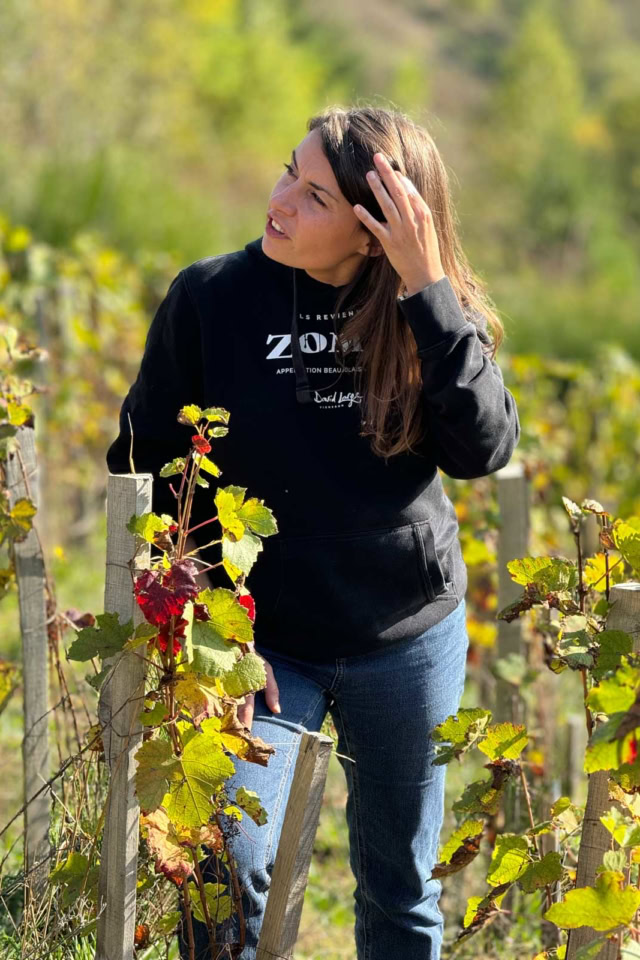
[(360, 597)]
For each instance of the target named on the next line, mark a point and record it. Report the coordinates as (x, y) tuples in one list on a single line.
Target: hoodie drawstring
[(303, 389), (304, 393)]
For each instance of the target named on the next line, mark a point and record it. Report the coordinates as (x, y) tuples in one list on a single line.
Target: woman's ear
[(371, 246)]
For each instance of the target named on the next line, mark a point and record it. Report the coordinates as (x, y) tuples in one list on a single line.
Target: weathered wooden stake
[(120, 705), (513, 543), (22, 481), (281, 921), (596, 839)]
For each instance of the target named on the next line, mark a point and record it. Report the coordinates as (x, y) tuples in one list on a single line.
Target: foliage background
[(137, 138)]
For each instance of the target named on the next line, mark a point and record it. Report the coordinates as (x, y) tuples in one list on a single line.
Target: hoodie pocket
[(365, 582), (434, 577)]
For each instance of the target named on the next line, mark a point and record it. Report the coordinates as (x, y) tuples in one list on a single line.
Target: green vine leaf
[(76, 877), (246, 676), (613, 646), (18, 413), (461, 848), (228, 617), (198, 694), (627, 775), (258, 518), (460, 731), (541, 872), (615, 694), (166, 924), (153, 714), (96, 680), (207, 465), (504, 741), (183, 785), (509, 860), (242, 553), (547, 573), (18, 521), (228, 514), (142, 634), (481, 796), (147, 525), (481, 909), (212, 655), (219, 904), (624, 830), (236, 516), (190, 415), (9, 679), (216, 415), (603, 907), (615, 860), (173, 467), (514, 669), (605, 751), (103, 641), (249, 801), (627, 540), (594, 572), (560, 805)]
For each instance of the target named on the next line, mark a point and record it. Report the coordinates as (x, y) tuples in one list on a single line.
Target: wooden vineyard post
[(22, 481), (281, 921), (120, 705), (596, 839), (513, 543)]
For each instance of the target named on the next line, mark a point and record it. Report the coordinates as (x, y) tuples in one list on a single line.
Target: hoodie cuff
[(434, 313)]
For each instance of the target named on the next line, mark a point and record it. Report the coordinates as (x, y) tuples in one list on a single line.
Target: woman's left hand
[(409, 235)]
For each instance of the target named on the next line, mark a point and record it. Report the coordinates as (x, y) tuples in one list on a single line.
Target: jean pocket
[(365, 582)]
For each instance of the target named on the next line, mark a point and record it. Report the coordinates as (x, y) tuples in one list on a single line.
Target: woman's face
[(323, 236)]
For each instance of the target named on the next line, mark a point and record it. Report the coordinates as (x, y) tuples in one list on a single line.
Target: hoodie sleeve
[(170, 376), (471, 418)]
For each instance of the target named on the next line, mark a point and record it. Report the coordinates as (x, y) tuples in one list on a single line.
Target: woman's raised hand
[(409, 236)]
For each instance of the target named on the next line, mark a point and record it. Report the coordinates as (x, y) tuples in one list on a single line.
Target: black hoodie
[(367, 552)]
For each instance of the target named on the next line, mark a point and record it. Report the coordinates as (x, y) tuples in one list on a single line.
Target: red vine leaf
[(247, 601), (201, 444), (164, 595)]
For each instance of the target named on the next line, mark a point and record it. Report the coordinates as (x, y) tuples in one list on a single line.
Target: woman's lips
[(273, 232)]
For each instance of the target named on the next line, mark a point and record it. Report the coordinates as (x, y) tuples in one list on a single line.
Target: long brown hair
[(391, 367)]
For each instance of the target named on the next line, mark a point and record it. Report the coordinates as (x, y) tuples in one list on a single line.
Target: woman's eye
[(289, 169)]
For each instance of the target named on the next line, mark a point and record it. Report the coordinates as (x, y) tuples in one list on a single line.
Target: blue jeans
[(384, 706)]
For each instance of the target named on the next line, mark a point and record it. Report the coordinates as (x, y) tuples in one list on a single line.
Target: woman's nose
[(284, 201)]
